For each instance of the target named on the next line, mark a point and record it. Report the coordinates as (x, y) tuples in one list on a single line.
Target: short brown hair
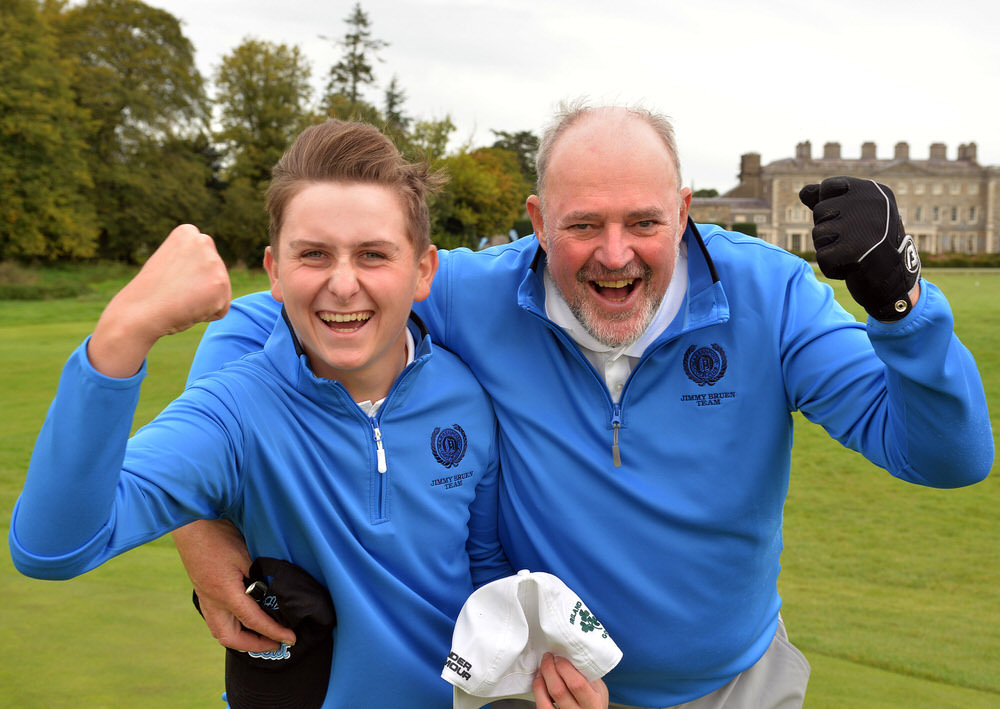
[(342, 151)]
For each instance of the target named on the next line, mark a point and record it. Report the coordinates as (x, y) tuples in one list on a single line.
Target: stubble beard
[(607, 328)]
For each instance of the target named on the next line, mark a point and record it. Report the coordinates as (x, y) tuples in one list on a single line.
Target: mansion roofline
[(947, 204)]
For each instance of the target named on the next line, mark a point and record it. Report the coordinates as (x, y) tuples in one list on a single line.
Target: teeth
[(344, 317), (615, 284)]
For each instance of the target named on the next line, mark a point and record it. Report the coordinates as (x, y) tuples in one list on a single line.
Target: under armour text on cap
[(506, 626), (290, 677)]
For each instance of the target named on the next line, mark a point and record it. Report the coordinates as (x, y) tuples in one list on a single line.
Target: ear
[(534, 205), (427, 266), (271, 266), (685, 199)]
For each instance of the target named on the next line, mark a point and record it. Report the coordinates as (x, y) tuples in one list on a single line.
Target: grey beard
[(603, 335)]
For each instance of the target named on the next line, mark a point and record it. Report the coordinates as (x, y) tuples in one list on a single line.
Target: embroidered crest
[(705, 365), (448, 445)]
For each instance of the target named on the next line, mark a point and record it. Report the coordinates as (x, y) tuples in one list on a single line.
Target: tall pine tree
[(355, 69)]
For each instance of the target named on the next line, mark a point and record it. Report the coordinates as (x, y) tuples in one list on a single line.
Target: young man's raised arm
[(71, 481)]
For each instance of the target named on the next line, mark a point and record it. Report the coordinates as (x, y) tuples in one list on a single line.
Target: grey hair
[(571, 112)]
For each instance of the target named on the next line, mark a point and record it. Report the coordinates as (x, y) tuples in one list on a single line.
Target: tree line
[(108, 138)]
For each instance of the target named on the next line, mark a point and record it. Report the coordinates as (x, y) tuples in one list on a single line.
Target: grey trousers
[(777, 681)]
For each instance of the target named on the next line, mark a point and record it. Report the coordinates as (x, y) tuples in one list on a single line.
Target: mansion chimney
[(868, 151), (967, 152), (939, 151), (831, 151), (902, 151), (750, 175)]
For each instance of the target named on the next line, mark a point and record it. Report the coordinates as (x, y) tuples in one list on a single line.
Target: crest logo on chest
[(705, 365)]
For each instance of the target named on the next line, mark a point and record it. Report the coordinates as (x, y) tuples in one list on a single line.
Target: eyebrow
[(635, 215), (572, 217), (370, 244), (649, 213), (303, 243)]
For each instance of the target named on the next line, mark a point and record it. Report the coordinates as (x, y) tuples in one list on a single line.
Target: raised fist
[(860, 239), (183, 283)]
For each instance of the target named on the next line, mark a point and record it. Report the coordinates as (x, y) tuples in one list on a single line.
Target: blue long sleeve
[(70, 485)]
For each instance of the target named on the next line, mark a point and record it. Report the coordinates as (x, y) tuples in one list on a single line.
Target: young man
[(644, 374), (350, 445)]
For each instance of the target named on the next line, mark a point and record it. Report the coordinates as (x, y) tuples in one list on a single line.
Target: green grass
[(125, 634), (892, 591)]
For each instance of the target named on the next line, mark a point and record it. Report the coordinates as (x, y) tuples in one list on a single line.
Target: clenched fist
[(183, 283), (860, 239)]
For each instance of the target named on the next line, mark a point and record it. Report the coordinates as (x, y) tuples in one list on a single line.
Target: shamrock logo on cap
[(588, 622)]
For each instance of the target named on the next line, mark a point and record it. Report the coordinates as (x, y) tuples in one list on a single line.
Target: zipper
[(379, 449), (616, 423), (382, 467)]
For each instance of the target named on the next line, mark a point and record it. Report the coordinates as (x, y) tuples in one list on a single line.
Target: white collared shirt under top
[(371, 408), (615, 364)]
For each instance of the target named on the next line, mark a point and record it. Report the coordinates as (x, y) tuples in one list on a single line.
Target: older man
[(644, 376)]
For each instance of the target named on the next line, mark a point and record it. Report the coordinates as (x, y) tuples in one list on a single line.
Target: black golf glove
[(860, 239)]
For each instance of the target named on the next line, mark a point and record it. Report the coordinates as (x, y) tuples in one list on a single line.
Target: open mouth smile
[(617, 290), (346, 322)]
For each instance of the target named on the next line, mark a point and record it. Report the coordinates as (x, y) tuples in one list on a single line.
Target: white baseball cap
[(505, 628)]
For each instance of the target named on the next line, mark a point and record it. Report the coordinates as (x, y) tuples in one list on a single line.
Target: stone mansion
[(947, 205)]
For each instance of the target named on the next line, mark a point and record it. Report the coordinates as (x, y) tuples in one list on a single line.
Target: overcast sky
[(734, 76)]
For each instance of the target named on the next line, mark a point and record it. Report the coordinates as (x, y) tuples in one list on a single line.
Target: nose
[(343, 280), (615, 250)]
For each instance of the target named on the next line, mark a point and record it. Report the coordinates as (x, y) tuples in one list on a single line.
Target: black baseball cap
[(290, 677)]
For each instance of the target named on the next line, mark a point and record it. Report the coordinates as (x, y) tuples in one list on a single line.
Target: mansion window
[(798, 213)]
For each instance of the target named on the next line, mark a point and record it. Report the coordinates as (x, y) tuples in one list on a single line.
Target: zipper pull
[(616, 421), (379, 450)]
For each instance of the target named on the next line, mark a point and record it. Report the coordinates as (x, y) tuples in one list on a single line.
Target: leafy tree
[(46, 210), (134, 73), (355, 69), (262, 94), (165, 183), (428, 141), (705, 193), (241, 225), (484, 195), (524, 144), (339, 106)]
